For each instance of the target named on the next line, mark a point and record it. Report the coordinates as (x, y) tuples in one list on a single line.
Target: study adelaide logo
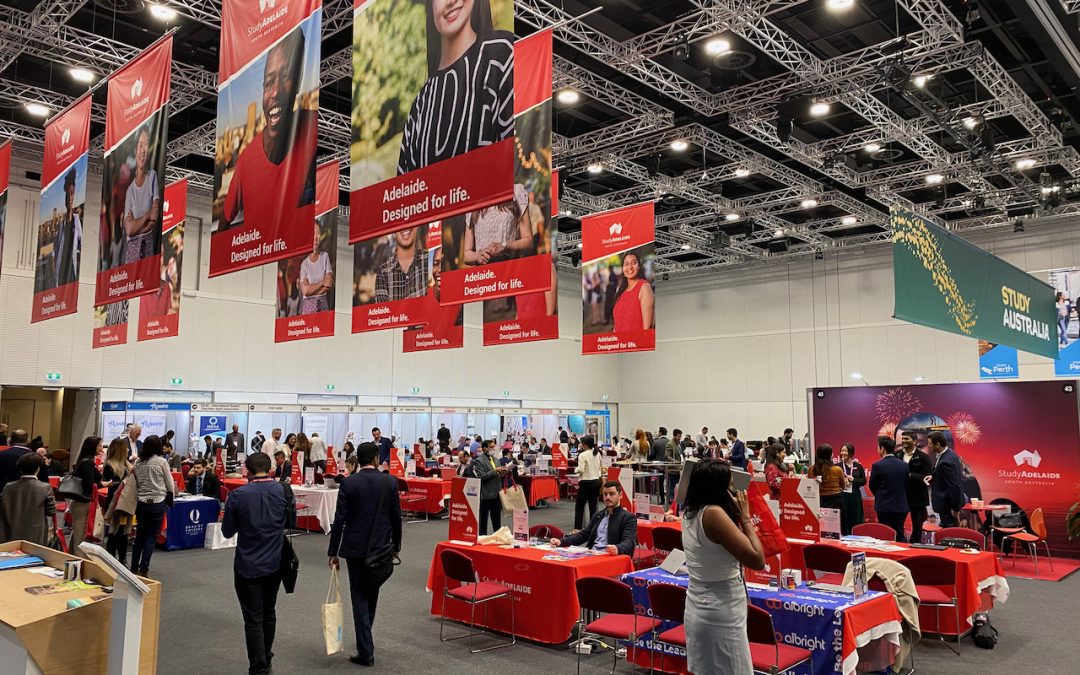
[(1027, 472)]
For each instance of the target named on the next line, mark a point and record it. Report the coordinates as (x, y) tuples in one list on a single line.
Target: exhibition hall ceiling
[(764, 129)]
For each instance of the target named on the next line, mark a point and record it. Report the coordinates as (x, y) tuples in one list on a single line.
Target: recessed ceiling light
[(872, 147), (934, 179), (848, 220), (808, 203), (921, 80), (920, 378), (819, 109), (779, 232), (37, 109), (717, 46), (731, 217), (685, 247), (1049, 189), (81, 75), (838, 5), (1026, 163), (742, 173), (678, 145), (596, 168), (568, 96), (163, 13)]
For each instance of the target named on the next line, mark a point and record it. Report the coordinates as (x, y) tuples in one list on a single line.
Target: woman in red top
[(775, 469), (634, 300), (540, 304)]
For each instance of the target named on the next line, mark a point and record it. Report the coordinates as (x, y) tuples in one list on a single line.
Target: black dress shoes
[(362, 660)]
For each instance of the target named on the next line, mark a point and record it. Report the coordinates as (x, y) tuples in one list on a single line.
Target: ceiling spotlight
[(967, 203), (717, 46), (808, 203), (81, 75), (872, 147), (934, 179), (856, 375), (682, 49), (1024, 164), (969, 122), (37, 109), (819, 108), (848, 220), (596, 168), (569, 213), (731, 217), (920, 80), (685, 247), (568, 96), (779, 233), (1050, 189), (920, 378), (579, 244), (162, 13), (840, 5), (678, 145), (742, 173)]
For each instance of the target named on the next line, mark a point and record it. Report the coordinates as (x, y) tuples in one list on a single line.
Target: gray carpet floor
[(202, 630)]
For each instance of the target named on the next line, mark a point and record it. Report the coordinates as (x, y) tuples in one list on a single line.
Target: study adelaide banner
[(5, 176), (618, 271), (159, 312), (444, 326), (132, 184), (264, 156), (61, 212), (944, 282), (433, 112)]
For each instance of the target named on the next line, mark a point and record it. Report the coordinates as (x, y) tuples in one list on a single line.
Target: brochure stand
[(125, 630)]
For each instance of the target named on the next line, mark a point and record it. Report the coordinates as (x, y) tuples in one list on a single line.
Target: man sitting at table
[(202, 482), (174, 460), (282, 467), (613, 530)]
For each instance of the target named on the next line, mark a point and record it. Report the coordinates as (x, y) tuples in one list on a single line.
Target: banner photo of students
[(998, 362), (159, 312), (61, 212), (618, 265), (5, 176), (390, 281), (111, 324), (132, 187), (505, 249), (264, 160), (433, 111), (305, 288), (445, 327)]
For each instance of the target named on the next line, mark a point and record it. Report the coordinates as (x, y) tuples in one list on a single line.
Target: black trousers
[(493, 508), (918, 517), (946, 518), (895, 521), (364, 601), (587, 495), (148, 519), (116, 543), (258, 602)]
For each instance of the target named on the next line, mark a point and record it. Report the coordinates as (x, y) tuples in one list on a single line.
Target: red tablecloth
[(178, 478), (646, 527), (980, 581), (231, 484), (434, 489), (547, 605), (540, 487)]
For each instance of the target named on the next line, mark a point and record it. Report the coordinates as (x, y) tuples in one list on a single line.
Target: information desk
[(977, 573), (185, 522), (842, 632), (435, 490), (320, 506), (539, 487), (38, 634), (544, 590)]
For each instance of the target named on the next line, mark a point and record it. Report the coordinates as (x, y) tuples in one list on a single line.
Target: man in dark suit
[(282, 470), (368, 518), (234, 441), (888, 483), (9, 472), (385, 445), (443, 436), (26, 505), (485, 467), (738, 450), (613, 530), (202, 482), (946, 483), (918, 496)]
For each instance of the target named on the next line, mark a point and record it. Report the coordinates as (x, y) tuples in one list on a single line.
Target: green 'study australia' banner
[(946, 283)]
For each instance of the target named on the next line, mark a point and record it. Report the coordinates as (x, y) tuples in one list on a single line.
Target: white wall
[(226, 335), (741, 348)]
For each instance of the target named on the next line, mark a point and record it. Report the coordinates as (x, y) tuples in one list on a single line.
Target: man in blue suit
[(738, 450), (368, 518), (888, 483), (946, 483)]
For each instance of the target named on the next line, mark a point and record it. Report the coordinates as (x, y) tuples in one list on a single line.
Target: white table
[(321, 503)]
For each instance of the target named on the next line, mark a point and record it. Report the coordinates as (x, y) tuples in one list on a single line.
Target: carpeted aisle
[(202, 632)]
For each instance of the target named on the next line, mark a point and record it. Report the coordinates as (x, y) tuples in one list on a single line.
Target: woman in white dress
[(316, 279), (142, 204)]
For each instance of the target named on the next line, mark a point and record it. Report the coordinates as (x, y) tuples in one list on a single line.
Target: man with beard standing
[(918, 496)]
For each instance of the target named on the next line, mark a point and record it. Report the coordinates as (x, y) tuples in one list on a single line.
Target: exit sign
[(176, 381), (53, 377), (506, 392), (330, 387), (416, 390)]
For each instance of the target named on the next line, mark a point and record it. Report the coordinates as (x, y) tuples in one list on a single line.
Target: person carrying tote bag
[(333, 616), (78, 488)]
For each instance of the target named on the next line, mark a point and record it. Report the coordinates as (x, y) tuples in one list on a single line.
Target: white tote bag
[(333, 616)]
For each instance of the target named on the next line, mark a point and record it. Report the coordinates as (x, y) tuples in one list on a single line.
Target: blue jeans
[(1063, 329), (148, 519)]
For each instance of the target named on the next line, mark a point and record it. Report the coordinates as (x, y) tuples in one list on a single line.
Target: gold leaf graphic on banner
[(912, 233)]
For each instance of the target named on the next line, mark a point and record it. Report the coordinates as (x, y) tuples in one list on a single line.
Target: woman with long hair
[(830, 476), (639, 448), (467, 100), (718, 539), (154, 481), (79, 504), (588, 471), (775, 469), (142, 203), (633, 309), (854, 479), (117, 467), (303, 444)]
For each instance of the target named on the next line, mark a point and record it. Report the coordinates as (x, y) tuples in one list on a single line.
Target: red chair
[(615, 600), (931, 573), (766, 653), (546, 532), (459, 567), (1032, 539), (828, 562), (668, 603), (667, 538), (875, 530), (412, 502), (960, 533)]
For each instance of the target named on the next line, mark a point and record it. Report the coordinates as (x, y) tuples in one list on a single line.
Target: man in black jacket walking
[(613, 530), (368, 518)]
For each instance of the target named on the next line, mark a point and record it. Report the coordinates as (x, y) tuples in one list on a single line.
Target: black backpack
[(983, 634), (959, 542)]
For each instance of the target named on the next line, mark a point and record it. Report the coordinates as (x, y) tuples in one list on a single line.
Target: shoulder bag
[(71, 486), (289, 568)]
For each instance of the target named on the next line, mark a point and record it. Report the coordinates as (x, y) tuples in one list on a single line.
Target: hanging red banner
[(617, 275), (5, 174), (268, 102), (132, 187), (61, 213), (444, 327), (159, 312), (306, 284), (110, 325)]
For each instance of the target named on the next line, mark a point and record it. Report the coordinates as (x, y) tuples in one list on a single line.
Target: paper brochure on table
[(830, 523), (858, 573), (675, 562)]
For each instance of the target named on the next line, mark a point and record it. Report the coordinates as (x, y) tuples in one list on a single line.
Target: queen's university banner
[(264, 158), (62, 212), (132, 181), (944, 282), (159, 312), (5, 176), (306, 284)]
